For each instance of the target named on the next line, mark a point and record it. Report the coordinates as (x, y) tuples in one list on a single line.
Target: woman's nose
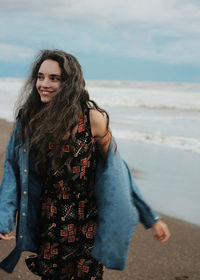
[(45, 83)]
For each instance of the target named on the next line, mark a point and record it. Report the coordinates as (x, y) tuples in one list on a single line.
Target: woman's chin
[(45, 99)]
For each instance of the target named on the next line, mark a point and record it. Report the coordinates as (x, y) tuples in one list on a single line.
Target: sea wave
[(145, 95), (183, 143), (148, 104)]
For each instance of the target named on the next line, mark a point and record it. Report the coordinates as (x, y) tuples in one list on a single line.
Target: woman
[(66, 134)]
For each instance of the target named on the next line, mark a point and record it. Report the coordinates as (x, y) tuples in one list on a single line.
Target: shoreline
[(178, 259), (168, 179)]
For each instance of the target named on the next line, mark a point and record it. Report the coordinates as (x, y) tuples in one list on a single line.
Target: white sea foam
[(178, 105), (170, 104), (184, 143), (149, 95), (9, 89)]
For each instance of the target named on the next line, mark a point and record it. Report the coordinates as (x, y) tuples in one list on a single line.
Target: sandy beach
[(178, 259)]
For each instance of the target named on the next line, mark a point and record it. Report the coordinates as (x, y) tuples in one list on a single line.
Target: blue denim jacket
[(119, 201)]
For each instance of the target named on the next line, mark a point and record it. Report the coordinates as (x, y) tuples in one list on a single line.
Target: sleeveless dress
[(68, 215)]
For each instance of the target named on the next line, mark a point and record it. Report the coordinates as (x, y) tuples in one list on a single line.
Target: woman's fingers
[(162, 231), (7, 236)]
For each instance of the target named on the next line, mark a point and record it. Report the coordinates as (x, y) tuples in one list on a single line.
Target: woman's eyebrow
[(54, 75)]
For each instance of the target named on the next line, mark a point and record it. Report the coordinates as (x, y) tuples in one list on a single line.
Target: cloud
[(14, 53), (111, 11), (166, 30)]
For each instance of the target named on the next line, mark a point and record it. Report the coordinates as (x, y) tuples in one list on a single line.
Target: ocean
[(157, 129)]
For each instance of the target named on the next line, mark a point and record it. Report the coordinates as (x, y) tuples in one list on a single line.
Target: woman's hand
[(161, 230), (8, 236)]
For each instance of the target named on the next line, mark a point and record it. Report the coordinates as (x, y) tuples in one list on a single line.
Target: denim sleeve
[(147, 215), (8, 188)]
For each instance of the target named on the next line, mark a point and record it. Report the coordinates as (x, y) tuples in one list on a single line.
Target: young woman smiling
[(51, 171)]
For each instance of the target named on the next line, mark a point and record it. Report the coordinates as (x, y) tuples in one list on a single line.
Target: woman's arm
[(99, 129)]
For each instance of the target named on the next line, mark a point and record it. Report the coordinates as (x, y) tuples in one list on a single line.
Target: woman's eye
[(39, 77), (55, 79)]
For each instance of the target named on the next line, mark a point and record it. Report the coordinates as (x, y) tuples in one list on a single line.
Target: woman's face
[(48, 80)]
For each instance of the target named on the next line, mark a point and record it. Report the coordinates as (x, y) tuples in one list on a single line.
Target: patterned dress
[(68, 217)]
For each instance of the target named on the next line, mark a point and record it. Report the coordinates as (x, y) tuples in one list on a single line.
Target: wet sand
[(178, 259)]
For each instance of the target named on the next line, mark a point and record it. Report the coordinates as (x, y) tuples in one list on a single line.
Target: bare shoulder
[(98, 123), (96, 116)]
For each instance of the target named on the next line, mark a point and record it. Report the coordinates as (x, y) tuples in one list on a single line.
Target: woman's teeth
[(46, 92)]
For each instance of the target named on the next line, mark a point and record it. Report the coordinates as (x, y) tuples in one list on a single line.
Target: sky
[(141, 40)]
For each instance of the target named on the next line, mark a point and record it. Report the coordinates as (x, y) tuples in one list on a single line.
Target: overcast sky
[(156, 40)]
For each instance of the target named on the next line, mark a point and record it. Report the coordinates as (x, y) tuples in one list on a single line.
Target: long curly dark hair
[(41, 122)]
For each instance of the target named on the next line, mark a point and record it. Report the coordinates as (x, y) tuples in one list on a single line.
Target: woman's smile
[(46, 92)]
